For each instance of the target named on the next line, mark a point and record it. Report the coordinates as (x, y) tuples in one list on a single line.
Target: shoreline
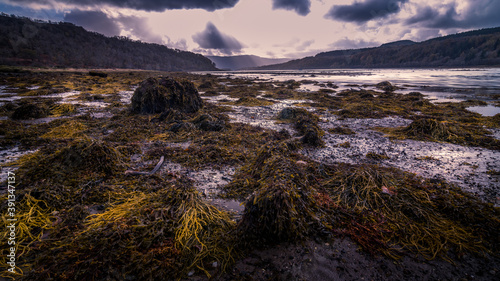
[(213, 160)]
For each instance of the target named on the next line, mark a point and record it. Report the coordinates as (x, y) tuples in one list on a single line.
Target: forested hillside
[(37, 43), (473, 48), (244, 61)]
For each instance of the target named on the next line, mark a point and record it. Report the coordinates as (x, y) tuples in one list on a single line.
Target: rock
[(180, 126), (157, 95), (170, 116), (207, 122), (30, 111), (386, 86), (98, 74), (312, 137)]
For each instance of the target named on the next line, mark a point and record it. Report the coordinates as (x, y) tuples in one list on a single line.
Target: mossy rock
[(430, 128), (386, 86), (291, 113), (306, 123), (30, 111), (98, 74), (207, 122), (283, 207), (157, 95)]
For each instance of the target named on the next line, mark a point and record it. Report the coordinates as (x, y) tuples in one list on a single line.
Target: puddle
[(8, 156), (207, 181), (126, 96), (489, 110)]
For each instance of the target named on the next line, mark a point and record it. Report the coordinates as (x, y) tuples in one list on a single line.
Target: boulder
[(30, 111), (157, 95), (387, 86)]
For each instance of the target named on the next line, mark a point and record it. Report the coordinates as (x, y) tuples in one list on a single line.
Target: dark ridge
[(27, 42), (467, 49)]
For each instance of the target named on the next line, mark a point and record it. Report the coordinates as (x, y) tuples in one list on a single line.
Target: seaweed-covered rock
[(157, 95), (282, 206), (180, 126), (386, 86), (170, 116), (306, 123), (291, 113), (30, 111), (98, 74), (207, 122)]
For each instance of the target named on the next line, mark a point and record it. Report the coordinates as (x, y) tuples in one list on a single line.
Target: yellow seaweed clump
[(33, 219), (147, 236)]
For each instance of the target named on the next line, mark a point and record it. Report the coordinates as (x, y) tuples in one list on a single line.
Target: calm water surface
[(439, 85)]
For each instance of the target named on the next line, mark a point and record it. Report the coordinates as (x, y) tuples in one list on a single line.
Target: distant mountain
[(241, 62), (37, 43), (468, 49)]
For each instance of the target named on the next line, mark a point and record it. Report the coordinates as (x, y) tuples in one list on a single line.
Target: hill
[(468, 49), (244, 61), (37, 43)]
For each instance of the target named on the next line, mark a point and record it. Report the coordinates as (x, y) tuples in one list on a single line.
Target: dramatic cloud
[(480, 13), (100, 22), (361, 12), (138, 27), (146, 5), (94, 21), (212, 38), (302, 7)]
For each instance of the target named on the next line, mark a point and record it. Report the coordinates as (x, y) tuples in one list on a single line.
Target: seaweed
[(439, 131), (306, 123), (61, 176), (63, 109), (250, 101), (341, 131), (171, 232), (33, 219), (409, 212), (377, 156), (281, 206), (67, 131)]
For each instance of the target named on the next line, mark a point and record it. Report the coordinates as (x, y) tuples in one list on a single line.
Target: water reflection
[(441, 85)]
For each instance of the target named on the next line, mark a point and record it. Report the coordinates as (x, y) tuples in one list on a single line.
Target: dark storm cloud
[(93, 21), (302, 7), (212, 38), (102, 23), (147, 5), (361, 12), (423, 14), (480, 13)]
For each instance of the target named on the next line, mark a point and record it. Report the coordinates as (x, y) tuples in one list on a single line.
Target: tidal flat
[(248, 178)]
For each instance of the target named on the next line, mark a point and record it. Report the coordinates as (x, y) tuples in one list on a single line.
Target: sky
[(267, 28)]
